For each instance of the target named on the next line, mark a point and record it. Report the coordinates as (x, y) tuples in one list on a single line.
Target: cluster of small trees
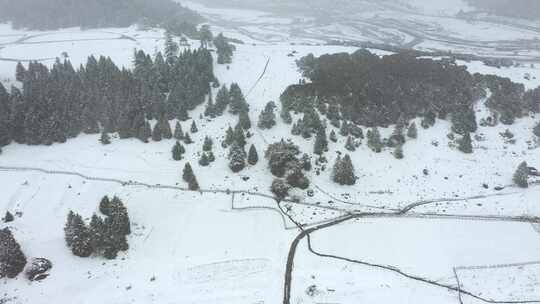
[(363, 88), (12, 259), (104, 237), (287, 163), (60, 103)]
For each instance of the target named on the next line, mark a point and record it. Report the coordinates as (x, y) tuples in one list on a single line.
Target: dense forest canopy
[(378, 91), (512, 8), (54, 14)]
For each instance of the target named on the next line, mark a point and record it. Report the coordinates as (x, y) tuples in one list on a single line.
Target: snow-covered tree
[(12, 259), (343, 172), (521, 176)]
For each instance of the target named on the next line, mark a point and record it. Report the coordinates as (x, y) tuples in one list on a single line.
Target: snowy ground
[(206, 248)]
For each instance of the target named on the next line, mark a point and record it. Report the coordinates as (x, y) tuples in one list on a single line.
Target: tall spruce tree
[(178, 133), (253, 156), (412, 132), (267, 118), (321, 143), (244, 120), (343, 172), (207, 145), (238, 102), (374, 140), (222, 101), (237, 158), (521, 175), (178, 151), (12, 259)]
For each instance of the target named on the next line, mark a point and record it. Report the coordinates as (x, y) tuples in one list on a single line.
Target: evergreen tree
[(156, 133), (253, 156), (398, 152), (229, 137), (286, 116), (464, 121), (211, 157), (165, 127), (8, 217), (239, 137), (333, 137), (237, 158), (20, 73), (194, 128), (267, 118), (280, 188), (321, 143), (104, 206), (343, 172), (244, 120), (374, 140), (171, 49), (349, 145), (204, 161), (238, 102), (306, 162), (344, 130), (536, 130), (77, 236), (222, 101), (465, 144), (521, 176), (187, 139), (178, 133), (210, 110), (97, 234), (178, 151), (145, 132), (12, 259), (412, 132), (187, 174), (105, 139), (208, 143)]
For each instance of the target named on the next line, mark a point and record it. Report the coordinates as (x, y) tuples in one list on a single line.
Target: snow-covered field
[(215, 248)]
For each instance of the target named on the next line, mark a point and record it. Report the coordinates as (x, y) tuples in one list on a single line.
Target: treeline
[(369, 90), (60, 103), (54, 14), (529, 9)]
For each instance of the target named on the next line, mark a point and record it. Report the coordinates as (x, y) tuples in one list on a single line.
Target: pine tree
[(244, 120), (374, 140), (465, 144), (204, 161), (105, 139), (267, 118), (349, 145), (78, 236), (398, 152), (178, 151), (343, 172), (20, 73), (253, 156), (145, 132), (156, 133), (536, 130), (208, 143), (194, 128), (97, 234), (222, 101), (238, 102), (178, 133), (105, 206), (412, 132), (344, 130), (211, 157), (521, 176), (187, 139), (165, 127), (171, 49), (187, 173), (12, 259), (239, 137), (286, 116), (321, 143), (8, 217), (333, 137), (237, 158), (229, 137)]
